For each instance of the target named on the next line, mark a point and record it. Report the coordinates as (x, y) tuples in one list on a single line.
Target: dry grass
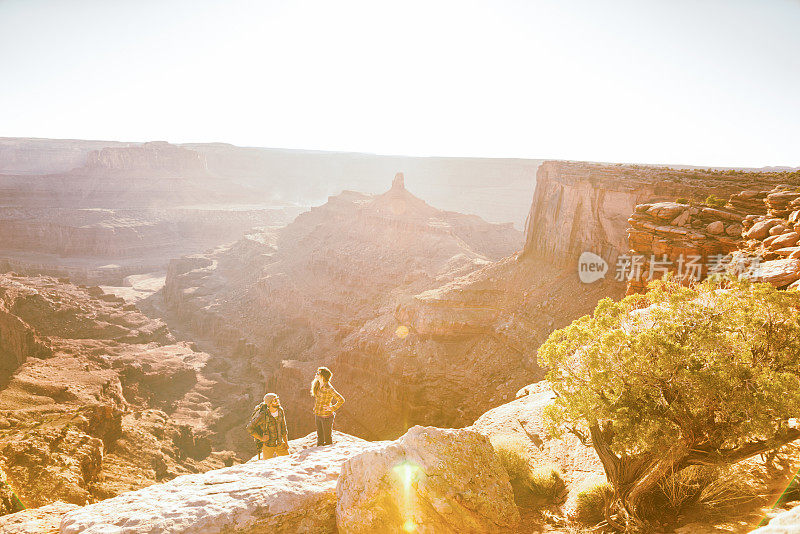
[(532, 486), (590, 501)]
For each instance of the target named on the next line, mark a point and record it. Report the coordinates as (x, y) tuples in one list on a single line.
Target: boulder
[(681, 219), (760, 230), (287, 494), (734, 230), (785, 240), (780, 272), (768, 241), (716, 228), (524, 417), (431, 480), (666, 210), (777, 229)]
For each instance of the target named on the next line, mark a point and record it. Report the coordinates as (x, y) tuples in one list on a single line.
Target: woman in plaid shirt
[(326, 401)]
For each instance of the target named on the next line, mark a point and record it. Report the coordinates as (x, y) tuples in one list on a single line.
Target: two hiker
[(268, 422)]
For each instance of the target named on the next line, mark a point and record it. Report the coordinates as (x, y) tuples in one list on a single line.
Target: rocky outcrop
[(287, 494), (753, 234), (524, 418), (18, 341), (430, 480), (42, 520), (687, 240), (787, 522), (581, 207)]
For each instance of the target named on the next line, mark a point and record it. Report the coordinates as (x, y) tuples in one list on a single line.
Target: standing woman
[(326, 401)]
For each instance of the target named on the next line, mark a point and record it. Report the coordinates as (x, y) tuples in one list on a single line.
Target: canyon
[(324, 290), (185, 302)]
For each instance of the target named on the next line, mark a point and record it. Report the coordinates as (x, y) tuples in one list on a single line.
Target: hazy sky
[(695, 82)]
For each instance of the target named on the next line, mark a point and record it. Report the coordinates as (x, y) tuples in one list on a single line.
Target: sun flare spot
[(402, 331), (409, 526)]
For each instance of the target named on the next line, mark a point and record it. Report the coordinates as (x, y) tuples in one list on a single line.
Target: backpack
[(257, 426)]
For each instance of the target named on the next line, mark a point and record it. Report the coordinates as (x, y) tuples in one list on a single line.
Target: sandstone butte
[(405, 353)]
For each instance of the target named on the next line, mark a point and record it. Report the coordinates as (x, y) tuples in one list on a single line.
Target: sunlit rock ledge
[(294, 493), (430, 479)]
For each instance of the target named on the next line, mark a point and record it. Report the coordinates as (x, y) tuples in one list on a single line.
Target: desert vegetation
[(674, 387), (532, 485)]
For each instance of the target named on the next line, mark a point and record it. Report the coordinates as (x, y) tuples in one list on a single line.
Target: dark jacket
[(271, 429)]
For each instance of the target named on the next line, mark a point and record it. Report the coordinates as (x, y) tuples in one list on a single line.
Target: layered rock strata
[(125, 210), (754, 234)]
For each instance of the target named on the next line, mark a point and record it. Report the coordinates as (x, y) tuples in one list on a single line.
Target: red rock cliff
[(581, 207)]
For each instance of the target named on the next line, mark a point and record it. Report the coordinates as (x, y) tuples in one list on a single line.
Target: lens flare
[(402, 331), (407, 473)]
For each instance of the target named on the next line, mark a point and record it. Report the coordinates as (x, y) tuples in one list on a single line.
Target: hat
[(269, 397)]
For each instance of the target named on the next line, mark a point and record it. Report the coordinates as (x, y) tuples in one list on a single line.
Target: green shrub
[(590, 501), (682, 200), (714, 201)]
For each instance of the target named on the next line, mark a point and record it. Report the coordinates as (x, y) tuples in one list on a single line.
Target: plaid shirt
[(274, 429), (322, 401)]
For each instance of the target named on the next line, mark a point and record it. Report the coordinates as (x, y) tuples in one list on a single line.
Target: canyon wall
[(125, 210), (580, 206), (20, 155)]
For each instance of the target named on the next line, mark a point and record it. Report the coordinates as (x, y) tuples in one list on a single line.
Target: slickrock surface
[(328, 285), (43, 520), (431, 480), (96, 398), (581, 207), (787, 522), (287, 494)]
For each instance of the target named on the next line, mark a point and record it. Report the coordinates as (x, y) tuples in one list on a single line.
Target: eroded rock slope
[(95, 398)]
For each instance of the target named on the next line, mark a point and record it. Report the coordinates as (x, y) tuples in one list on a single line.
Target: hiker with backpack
[(324, 411), (268, 426)]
